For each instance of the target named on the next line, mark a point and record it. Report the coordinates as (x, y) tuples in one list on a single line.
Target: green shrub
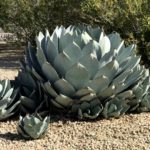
[(131, 18)]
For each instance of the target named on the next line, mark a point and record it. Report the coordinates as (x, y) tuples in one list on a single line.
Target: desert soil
[(130, 132)]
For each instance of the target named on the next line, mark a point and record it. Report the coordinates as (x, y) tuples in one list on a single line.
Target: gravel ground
[(130, 132)]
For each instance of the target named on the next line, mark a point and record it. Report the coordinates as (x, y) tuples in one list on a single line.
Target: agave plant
[(32, 98), (115, 107), (32, 126), (80, 68), (9, 95)]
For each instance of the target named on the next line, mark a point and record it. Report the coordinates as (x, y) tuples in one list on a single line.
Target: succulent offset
[(32, 126), (78, 71), (9, 103)]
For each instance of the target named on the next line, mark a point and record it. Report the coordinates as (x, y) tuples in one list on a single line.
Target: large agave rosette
[(86, 72)]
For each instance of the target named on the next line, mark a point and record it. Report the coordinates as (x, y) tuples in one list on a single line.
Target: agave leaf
[(135, 76), (107, 58), (48, 88), (40, 41), (82, 39), (1, 88), (94, 103), (146, 85), (22, 132), (6, 86), (95, 33), (41, 127), (91, 64), (40, 52), (33, 58), (64, 41), (125, 52), (107, 92), (60, 31), (49, 72), (26, 90), (40, 37), (115, 40), (8, 94), (47, 36), (74, 108), (54, 38), (132, 63), (145, 103), (108, 70), (55, 103), (64, 87), (4, 103), (84, 106), (77, 75), (145, 72), (6, 113), (104, 43), (122, 77), (137, 90), (13, 109), (121, 46), (88, 97), (62, 63), (73, 51), (92, 47), (27, 120), (15, 93), (38, 77), (33, 94), (130, 80), (99, 84), (69, 29), (95, 112), (126, 94), (40, 56), (28, 60), (35, 121), (119, 87), (83, 91), (26, 78), (64, 100), (51, 51), (28, 103)]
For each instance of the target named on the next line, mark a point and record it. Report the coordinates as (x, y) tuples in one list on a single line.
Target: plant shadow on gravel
[(11, 136)]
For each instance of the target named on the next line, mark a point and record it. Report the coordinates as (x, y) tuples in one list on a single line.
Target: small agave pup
[(81, 68), (9, 103), (32, 126)]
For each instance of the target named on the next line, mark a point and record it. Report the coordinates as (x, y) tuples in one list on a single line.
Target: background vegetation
[(131, 18)]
